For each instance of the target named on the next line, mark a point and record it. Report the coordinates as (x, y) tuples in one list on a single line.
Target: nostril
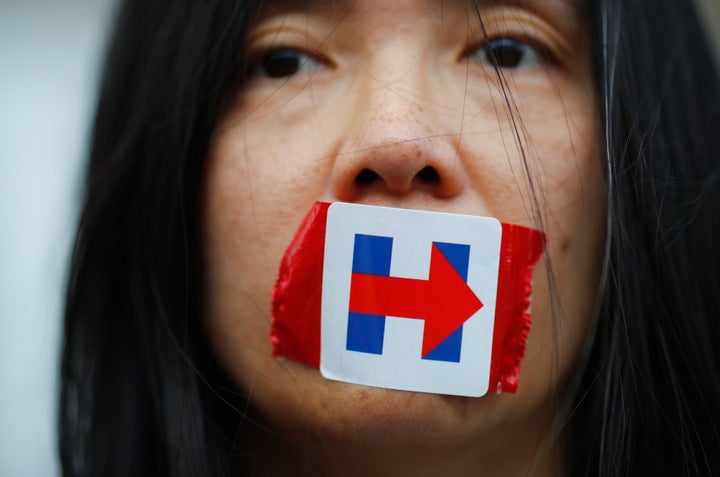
[(428, 174), (366, 176), (395, 180)]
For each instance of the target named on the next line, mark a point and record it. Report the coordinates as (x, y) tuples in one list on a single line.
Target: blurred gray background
[(49, 54)]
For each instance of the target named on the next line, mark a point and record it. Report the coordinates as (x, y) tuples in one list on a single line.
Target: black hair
[(141, 392), (132, 399), (650, 398)]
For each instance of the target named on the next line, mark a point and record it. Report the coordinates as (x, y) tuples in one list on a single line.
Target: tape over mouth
[(406, 299)]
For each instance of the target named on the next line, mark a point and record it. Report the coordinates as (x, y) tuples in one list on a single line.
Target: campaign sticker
[(408, 299)]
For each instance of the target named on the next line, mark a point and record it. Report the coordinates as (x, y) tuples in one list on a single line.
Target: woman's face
[(397, 103)]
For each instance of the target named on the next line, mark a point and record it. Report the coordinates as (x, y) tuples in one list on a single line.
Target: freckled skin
[(395, 101)]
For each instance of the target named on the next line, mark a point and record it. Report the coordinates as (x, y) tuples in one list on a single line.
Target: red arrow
[(444, 300)]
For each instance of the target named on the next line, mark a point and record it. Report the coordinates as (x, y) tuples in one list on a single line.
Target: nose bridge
[(394, 121), (396, 84), (396, 143)]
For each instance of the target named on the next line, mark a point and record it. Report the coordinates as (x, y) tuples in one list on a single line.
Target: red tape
[(297, 297)]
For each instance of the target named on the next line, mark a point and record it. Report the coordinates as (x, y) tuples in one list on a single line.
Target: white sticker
[(408, 299)]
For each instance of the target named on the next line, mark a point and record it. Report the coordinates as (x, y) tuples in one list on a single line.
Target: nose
[(396, 145)]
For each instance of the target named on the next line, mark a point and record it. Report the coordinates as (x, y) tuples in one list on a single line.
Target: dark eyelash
[(543, 52), (254, 57)]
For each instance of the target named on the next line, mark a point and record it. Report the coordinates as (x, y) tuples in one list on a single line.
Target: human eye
[(283, 63), (508, 53)]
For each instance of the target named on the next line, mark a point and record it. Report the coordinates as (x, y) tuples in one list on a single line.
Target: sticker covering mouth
[(406, 299)]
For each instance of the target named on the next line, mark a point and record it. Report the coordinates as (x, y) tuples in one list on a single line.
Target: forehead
[(549, 7), (566, 15)]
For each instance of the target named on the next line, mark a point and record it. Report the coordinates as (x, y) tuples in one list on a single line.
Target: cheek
[(245, 216), (572, 203), (256, 193), (259, 185), (566, 199)]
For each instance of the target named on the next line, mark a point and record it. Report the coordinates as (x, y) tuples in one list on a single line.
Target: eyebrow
[(548, 8)]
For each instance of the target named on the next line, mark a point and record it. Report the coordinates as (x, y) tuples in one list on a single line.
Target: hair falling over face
[(219, 124)]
